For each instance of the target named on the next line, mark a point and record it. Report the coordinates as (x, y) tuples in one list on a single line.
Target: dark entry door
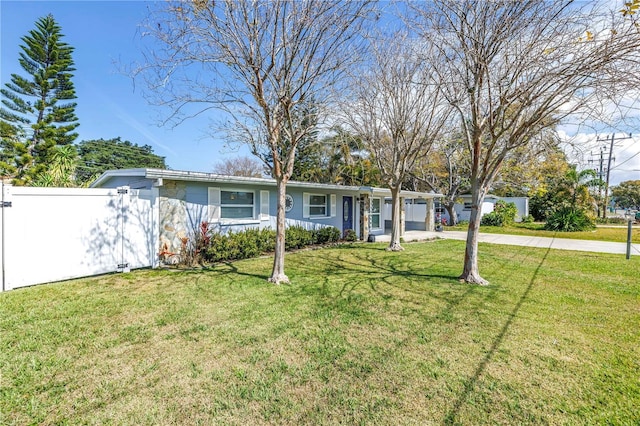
[(347, 213)]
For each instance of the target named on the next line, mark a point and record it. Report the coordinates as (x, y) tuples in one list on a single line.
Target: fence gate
[(53, 234)]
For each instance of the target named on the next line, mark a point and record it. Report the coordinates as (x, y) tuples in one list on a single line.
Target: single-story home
[(463, 209), (233, 203)]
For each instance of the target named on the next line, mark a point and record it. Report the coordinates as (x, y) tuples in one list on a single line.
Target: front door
[(347, 214)]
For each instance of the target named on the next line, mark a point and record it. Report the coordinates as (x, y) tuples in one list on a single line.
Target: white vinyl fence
[(53, 234)]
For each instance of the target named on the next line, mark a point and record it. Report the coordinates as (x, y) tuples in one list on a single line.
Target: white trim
[(232, 222), (333, 205), (253, 206), (213, 202), (264, 205), (213, 178), (307, 205)]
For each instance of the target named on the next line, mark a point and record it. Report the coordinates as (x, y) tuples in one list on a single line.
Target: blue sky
[(106, 39), (105, 35)]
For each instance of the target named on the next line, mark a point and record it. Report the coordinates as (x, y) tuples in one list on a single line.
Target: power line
[(609, 158), (627, 160)]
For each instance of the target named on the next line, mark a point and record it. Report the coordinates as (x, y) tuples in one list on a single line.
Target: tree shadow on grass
[(470, 383), (347, 273), (364, 269), (222, 269)]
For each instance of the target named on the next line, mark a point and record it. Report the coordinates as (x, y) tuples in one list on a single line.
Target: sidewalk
[(523, 240)]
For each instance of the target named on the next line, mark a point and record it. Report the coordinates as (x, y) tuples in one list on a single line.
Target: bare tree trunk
[(278, 276), (453, 215), (394, 244), (471, 273)]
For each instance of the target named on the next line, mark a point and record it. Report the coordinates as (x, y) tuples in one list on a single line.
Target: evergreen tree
[(98, 156), (37, 105)]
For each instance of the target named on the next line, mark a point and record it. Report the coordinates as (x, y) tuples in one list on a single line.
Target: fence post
[(155, 226), (124, 195)]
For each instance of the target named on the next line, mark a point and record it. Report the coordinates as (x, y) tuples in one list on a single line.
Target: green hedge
[(254, 242)]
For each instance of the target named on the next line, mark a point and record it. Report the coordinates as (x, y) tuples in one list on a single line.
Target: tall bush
[(569, 219), (503, 214)]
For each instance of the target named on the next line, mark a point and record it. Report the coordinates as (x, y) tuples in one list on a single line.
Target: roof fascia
[(213, 177)]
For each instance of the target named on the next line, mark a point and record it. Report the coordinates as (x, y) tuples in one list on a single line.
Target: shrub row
[(254, 242)]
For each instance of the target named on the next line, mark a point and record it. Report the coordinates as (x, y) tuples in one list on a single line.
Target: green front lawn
[(362, 336), (601, 233)]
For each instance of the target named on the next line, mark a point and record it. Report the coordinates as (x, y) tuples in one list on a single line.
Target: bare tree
[(445, 171), (258, 61), (396, 108), (239, 166), (514, 68)]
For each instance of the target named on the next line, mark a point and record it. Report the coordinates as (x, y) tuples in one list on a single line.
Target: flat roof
[(191, 176)]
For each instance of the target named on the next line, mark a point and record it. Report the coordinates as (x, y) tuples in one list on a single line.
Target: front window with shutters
[(237, 204), (317, 205)]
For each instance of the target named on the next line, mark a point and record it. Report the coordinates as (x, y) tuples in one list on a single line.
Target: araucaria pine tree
[(36, 115)]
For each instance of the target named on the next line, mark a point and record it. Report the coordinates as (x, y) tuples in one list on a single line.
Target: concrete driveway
[(522, 240)]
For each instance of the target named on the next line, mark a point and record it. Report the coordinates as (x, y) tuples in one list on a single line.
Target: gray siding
[(190, 199), (184, 206)]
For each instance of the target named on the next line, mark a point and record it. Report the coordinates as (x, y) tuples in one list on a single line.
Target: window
[(375, 213), (226, 204), (236, 205), (467, 206), (317, 205)]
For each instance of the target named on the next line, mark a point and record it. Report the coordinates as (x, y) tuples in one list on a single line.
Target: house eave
[(181, 175)]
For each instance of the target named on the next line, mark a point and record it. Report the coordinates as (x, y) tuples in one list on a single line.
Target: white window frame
[(216, 205), (379, 214), (330, 205), (325, 205)]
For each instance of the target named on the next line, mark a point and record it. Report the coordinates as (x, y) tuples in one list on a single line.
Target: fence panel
[(140, 238), (53, 234), (2, 190)]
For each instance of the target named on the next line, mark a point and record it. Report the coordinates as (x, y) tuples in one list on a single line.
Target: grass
[(362, 336), (601, 233)]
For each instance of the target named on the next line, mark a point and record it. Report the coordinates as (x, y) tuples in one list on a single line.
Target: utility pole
[(602, 170)]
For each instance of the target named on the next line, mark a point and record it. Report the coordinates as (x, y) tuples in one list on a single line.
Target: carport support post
[(403, 208), (428, 219), (365, 208)]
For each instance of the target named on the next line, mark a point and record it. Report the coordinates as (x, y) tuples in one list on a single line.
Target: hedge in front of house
[(254, 242)]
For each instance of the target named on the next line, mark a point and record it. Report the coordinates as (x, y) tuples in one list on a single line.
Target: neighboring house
[(463, 210), (415, 211), (231, 203)]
